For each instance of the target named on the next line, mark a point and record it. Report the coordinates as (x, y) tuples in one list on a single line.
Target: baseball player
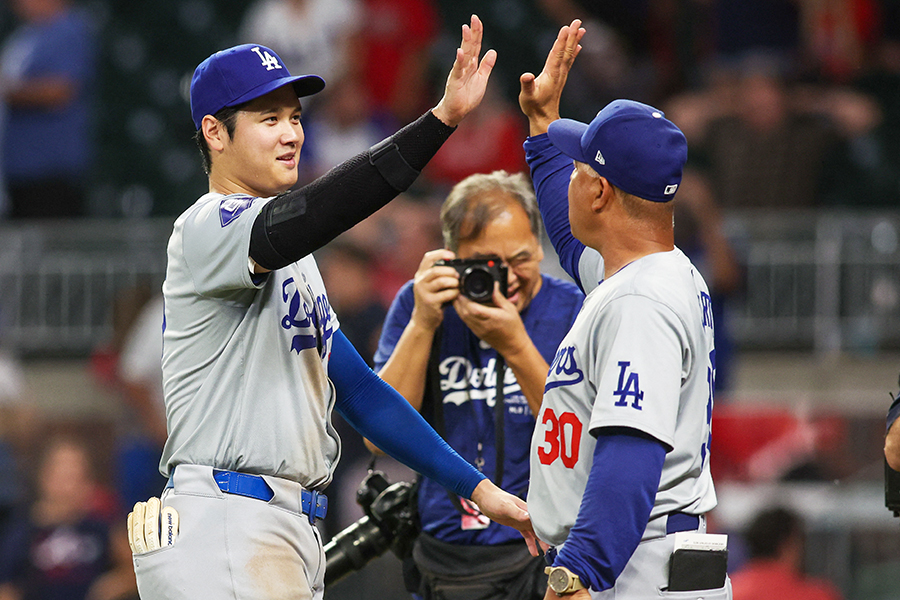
[(254, 361), (620, 478), (446, 354)]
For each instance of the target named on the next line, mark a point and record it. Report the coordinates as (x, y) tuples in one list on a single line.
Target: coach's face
[(261, 157), (509, 236)]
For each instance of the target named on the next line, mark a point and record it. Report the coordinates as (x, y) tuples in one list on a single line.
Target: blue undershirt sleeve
[(550, 172), (378, 412), (615, 508)]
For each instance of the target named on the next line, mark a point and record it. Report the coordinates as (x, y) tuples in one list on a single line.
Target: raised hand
[(468, 78), (539, 96)]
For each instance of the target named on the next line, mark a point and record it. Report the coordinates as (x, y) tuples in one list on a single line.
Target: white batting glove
[(151, 527)]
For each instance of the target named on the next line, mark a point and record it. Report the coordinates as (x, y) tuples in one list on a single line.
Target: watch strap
[(574, 581)]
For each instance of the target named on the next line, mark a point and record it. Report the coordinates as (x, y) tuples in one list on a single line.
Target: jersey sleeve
[(216, 244), (639, 379), (395, 322)]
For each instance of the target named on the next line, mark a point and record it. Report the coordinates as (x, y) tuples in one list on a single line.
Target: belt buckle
[(315, 505)]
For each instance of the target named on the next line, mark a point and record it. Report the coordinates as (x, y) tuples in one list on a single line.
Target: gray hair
[(479, 199)]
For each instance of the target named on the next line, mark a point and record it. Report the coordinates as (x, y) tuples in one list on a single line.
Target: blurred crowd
[(786, 104)]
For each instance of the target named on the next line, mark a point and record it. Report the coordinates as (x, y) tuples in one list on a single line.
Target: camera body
[(390, 522), (477, 276)]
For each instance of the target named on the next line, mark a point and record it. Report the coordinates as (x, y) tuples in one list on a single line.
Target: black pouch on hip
[(691, 570)]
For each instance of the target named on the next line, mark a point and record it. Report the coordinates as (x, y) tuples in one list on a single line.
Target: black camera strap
[(500, 419), (433, 407)]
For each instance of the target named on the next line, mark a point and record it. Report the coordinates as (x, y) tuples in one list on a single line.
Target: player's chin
[(286, 176)]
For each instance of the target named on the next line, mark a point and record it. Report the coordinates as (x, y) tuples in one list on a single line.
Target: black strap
[(433, 402), (433, 408), (500, 419), (386, 157), (301, 221)]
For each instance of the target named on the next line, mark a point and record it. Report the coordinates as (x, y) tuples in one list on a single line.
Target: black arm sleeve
[(301, 221)]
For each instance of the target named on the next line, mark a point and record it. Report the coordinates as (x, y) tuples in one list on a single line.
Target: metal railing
[(823, 281), (59, 280)]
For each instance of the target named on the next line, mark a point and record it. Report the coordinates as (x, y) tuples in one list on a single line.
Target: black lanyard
[(434, 397)]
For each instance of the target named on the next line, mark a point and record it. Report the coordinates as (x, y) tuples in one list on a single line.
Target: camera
[(477, 276), (390, 522)]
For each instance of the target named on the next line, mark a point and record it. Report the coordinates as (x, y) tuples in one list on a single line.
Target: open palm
[(468, 78)]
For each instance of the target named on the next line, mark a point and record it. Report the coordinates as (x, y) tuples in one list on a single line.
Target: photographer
[(444, 352)]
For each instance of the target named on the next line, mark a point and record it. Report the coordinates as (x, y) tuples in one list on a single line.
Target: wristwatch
[(563, 581)]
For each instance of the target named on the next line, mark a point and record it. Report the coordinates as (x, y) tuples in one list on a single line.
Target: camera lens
[(477, 284)]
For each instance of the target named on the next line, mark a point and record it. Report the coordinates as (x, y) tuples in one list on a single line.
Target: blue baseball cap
[(240, 74), (633, 145)]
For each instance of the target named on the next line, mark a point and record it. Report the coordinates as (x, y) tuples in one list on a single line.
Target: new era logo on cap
[(643, 152), (241, 74)]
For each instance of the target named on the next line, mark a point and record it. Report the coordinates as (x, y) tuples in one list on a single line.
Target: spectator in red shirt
[(396, 40), (775, 570)]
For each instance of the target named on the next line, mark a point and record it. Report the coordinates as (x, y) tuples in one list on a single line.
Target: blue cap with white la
[(633, 145), (240, 74)]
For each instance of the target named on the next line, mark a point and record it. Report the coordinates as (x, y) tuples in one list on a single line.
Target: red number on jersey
[(562, 438)]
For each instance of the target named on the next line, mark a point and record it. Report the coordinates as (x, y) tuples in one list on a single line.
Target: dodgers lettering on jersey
[(563, 370), (231, 338), (461, 382), (467, 370), (316, 325), (628, 361)]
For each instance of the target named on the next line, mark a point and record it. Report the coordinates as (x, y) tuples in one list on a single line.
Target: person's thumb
[(527, 83)]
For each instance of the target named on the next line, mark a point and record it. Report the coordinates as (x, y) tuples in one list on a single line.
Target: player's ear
[(214, 132)]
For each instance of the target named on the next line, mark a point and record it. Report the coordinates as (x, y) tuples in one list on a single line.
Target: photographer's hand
[(499, 325), (504, 508), (502, 328), (433, 287)]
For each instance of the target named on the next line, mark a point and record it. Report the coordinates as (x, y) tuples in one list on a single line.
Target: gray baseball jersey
[(245, 356), (639, 355)]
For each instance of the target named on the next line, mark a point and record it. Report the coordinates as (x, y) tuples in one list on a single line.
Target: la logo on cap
[(268, 61), (599, 158)]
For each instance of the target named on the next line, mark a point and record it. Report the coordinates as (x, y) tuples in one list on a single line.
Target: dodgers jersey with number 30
[(245, 376), (639, 355)]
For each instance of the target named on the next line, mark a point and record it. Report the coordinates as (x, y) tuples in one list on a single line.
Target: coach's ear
[(214, 132), (604, 193)]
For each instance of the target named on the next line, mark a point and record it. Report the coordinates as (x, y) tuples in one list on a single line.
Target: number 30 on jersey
[(562, 438)]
